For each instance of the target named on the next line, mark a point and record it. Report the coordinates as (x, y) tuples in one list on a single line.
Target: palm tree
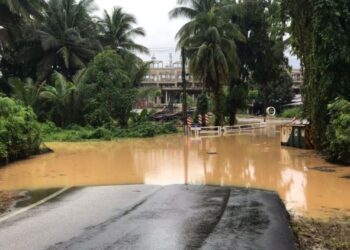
[(66, 39), (136, 68), (60, 97), (212, 51), (118, 31), (13, 12), (25, 91), (192, 8)]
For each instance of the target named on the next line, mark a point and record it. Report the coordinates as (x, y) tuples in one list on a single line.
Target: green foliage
[(65, 40), (211, 43), (253, 95), (236, 99), (292, 112), (280, 90), (14, 13), (320, 38), (202, 104), (117, 32), (19, 131), (76, 133), (27, 92), (263, 54), (110, 96), (338, 132), (60, 96)]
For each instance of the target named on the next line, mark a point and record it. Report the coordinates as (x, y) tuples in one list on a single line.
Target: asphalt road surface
[(153, 217)]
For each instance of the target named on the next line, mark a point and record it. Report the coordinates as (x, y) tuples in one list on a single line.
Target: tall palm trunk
[(218, 94)]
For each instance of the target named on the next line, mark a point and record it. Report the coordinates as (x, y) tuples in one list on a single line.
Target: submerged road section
[(153, 217)]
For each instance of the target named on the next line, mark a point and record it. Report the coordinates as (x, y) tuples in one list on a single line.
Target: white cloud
[(160, 30), (153, 17)]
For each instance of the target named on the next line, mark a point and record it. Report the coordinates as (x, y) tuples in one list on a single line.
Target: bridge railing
[(243, 127), (213, 130), (218, 131)]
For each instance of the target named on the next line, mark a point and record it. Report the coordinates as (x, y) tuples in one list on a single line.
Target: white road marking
[(23, 210)]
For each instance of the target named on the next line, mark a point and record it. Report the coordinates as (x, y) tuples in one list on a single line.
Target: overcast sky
[(152, 15)]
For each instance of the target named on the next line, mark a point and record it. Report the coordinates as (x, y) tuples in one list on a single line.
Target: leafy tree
[(297, 15), (118, 31), (266, 51), (202, 104), (111, 96), (280, 91), (319, 34), (19, 131), (338, 132), (236, 99), (137, 69)]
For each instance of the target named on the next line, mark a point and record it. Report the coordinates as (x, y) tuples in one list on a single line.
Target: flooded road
[(252, 160)]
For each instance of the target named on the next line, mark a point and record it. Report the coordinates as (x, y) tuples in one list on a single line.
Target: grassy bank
[(330, 235), (76, 133)]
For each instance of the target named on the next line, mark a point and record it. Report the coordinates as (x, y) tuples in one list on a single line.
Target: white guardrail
[(243, 127), (218, 131)]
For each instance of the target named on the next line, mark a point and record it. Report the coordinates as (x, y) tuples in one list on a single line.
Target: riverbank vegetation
[(77, 133), (19, 131), (320, 38), (315, 234), (69, 75)]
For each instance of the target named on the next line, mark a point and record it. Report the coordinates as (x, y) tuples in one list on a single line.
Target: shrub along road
[(153, 217)]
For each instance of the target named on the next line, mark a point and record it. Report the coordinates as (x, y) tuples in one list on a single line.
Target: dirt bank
[(7, 200), (333, 234)]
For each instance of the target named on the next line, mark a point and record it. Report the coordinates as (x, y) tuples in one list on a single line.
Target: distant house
[(169, 80)]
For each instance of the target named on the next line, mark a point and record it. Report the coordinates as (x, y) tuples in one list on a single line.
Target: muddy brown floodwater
[(255, 159)]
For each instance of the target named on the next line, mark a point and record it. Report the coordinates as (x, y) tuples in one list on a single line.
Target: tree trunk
[(266, 99), (218, 100), (232, 119), (184, 87)]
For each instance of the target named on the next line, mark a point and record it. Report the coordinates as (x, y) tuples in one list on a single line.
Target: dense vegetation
[(75, 73), (320, 37), (19, 131), (338, 131), (236, 46), (77, 133)]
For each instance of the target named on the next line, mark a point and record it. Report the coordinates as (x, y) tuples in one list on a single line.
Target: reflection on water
[(251, 160)]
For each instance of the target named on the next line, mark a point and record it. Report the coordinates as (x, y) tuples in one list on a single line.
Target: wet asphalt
[(153, 217)]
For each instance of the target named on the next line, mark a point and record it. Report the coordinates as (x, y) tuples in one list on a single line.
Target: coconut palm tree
[(13, 12), (66, 40), (118, 32), (25, 91), (191, 8), (60, 97), (211, 48)]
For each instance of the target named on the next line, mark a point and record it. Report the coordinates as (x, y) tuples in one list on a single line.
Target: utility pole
[(184, 88)]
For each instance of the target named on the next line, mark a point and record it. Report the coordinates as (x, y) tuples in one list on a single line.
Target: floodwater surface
[(254, 160)]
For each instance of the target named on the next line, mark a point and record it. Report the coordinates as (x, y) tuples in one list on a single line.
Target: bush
[(292, 112), (338, 132), (19, 131), (76, 133)]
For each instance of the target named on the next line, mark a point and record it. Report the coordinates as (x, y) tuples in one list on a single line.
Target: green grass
[(76, 133), (292, 112)]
